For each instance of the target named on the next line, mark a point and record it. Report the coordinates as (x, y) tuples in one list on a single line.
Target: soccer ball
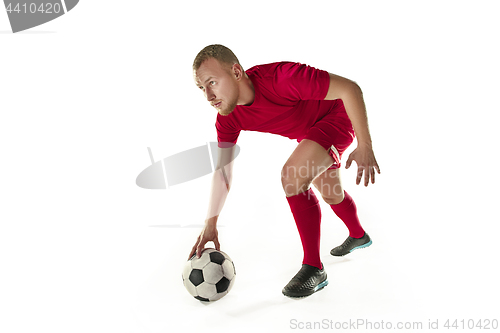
[(209, 277)]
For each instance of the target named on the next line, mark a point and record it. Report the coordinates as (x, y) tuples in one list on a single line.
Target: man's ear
[(237, 71)]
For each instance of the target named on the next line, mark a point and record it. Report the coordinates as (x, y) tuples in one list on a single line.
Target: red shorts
[(334, 132)]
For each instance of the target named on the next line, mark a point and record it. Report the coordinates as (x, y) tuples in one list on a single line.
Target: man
[(323, 112)]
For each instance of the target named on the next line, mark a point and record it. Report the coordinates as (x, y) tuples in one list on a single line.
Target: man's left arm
[(350, 93)]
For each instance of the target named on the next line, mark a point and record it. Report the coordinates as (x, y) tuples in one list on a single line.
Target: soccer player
[(323, 112)]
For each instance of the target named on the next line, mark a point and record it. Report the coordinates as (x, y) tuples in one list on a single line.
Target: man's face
[(218, 84)]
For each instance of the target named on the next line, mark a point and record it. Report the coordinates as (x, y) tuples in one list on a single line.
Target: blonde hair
[(216, 51)]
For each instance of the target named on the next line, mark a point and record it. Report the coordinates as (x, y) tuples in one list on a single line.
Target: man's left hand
[(365, 159)]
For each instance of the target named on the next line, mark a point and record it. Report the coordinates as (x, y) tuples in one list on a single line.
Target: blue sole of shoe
[(321, 285), (361, 246)]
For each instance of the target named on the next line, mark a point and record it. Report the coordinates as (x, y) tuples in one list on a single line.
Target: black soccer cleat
[(351, 244), (306, 282)]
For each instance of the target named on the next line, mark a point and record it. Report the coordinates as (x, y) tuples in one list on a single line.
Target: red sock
[(347, 212), (307, 213)]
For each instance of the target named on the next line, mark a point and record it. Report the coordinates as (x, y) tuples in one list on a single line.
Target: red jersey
[(289, 99)]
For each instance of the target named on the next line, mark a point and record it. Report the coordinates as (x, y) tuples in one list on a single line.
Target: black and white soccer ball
[(210, 277)]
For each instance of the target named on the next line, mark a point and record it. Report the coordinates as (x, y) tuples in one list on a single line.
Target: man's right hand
[(208, 234)]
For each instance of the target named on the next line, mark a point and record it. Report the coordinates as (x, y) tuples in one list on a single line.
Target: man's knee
[(294, 181), (333, 200), (331, 192)]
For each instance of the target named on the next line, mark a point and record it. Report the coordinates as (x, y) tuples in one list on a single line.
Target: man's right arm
[(221, 183)]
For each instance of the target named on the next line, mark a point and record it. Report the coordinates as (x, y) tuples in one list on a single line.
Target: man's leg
[(330, 186), (307, 161)]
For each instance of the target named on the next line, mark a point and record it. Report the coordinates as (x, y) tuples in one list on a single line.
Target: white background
[(83, 249)]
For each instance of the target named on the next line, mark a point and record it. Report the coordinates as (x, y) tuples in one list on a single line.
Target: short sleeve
[(296, 81), (226, 131)]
